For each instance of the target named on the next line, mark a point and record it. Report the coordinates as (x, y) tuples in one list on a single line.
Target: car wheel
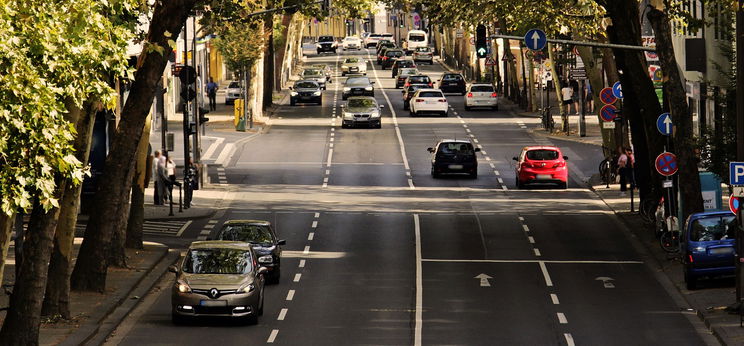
[(519, 184), (292, 103), (344, 97), (563, 185), (474, 175), (496, 107), (320, 103), (434, 175), (445, 114), (379, 126), (273, 279), (261, 307), (405, 107), (343, 74)]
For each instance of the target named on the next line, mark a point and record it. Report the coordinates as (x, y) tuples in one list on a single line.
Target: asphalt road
[(380, 253)]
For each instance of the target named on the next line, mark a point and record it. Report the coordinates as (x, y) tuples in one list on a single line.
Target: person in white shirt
[(158, 198), (567, 96)]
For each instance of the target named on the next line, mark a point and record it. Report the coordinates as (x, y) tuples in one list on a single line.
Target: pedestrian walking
[(630, 167), (212, 93), (162, 180), (170, 171), (567, 96), (575, 95), (589, 97), (158, 198), (622, 170)]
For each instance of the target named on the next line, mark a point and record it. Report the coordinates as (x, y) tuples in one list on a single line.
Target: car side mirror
[(173, 269), (431, 150), (565, 157), (477, 150), (515, 158), (281, 242), (382, 106), (371, 82), (290, 88), (262, 270)]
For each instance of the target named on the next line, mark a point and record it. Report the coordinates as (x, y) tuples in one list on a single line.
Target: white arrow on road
[(484, 280), (606, 281), (535, 39), (668, 124)]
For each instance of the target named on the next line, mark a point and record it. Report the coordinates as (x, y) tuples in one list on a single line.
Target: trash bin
[(241, 124)]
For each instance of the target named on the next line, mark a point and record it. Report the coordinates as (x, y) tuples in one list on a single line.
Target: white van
[(415, 39)]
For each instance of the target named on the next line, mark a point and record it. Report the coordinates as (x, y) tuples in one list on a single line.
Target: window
[(217, 261), (542, 154), (713, 228), (452, 77), (456, 148), (419, 79), (311, 73), (423, 49), (357, 81), (325, 39), (306, 85), (394, 53), (362, 103), (416, 37), (430, 94), (351, 60), (259, 234), (481, 88)]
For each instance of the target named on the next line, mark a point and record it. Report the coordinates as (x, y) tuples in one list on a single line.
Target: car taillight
[(419, 100), (526, 165), (384, 58), (442, 100), (494, 95), (690, 257), (560, 164), (430, 83), (470, 94), (408, 84)]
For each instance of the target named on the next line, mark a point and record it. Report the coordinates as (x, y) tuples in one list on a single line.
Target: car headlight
[(348, 115), (317, 45), (374, 115), (317, 93), (294, 93), (344, 67), (247, 288), (369, 88), (347, 89), (265, 259), (183, 287)]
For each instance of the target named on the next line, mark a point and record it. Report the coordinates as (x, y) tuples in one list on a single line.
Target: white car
[(354, 65), (351, 42), (234, 91), (371, 40), (423, 54), (481, 95), (429, 101)]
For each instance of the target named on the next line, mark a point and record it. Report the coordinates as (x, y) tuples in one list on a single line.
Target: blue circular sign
[(617, 90), (664, 124), (535, 39), (666, 164)]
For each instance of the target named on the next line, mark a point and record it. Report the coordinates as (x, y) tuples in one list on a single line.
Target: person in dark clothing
[(212, 93)]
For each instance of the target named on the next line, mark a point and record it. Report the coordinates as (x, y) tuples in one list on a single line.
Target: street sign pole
[(582, 120), (739, 137)]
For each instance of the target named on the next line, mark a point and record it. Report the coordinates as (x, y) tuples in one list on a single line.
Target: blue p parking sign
[(736, 173)]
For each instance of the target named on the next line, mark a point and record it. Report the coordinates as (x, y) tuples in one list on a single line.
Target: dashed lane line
[(569, 339), (272, 336), (546, 275), (554, 299), (297, 277), (562, 318), (290, 294), (302, 263), (282, 314)]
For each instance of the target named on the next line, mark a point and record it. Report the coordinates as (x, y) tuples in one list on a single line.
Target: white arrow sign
[(535, 38), (606, 281), (668, 124), (484, 280)]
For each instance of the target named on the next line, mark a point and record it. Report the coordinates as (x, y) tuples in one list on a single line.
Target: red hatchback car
[(541, 165)]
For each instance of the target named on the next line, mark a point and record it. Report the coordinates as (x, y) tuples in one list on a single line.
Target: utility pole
[(186, 122), (197, 89), (739, 137)]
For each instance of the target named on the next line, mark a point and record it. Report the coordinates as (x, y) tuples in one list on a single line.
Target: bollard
[(180, 203), (631, 199), (170, 201)]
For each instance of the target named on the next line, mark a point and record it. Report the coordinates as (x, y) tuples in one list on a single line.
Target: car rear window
[(234, 85), (416, 37), (408, 71), (713, 228), (395, 53), (259, 234), (423, 49), (481, 88), (450, 77), (430, 94), (419, 79), (405, 63), (325, 39), (456, 148), (542, 154), (357, 81)]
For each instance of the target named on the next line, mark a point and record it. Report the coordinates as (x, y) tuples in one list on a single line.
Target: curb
[(95, 332)]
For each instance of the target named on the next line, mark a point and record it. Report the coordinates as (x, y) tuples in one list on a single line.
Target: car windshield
[(481, 88), (713, 228), (456, 77), (217, 261), (351, 60), (416, 37), (414, 87), (405, 63), (366, 103), (325, 39), (423, 49), (408, 71), (456, 148), (234, 85), (542, 154), (357, 81), (395, 53), (311, 73), (419, 79), (350, 39), (306, 85), (430, 94), (259, 234)]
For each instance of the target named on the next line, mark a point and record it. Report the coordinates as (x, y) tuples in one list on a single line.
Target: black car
[(408, 92), (358, 86), (326, 44), (384, 44), (402, 63), (454, 156), (390, 56), (305, 91), (381, 53), (262, 238), (418, 79), (452, 83)]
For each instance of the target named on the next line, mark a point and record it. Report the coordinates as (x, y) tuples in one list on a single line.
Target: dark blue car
[(709, 246)]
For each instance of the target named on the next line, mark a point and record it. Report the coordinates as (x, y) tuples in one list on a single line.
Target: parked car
[(403, 75), (314, 75), (481, 95), (423, 54), (452, 83), (351, 42), (262, 237), (358, 86), (361, 111), (428, 101), (326, 44), (390, 56), (326, 70), (454, 156), (220, 279), (709, 246), (541, 165), (401, 63), (408, 92), (420, 79), (305, 91), (233, 92), (354, 65)]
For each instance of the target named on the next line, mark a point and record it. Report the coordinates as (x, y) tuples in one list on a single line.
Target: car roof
[(361, 97), (430, 89), (538, 147), (247, 222), (454, 141), (705, 214), (220, 244)]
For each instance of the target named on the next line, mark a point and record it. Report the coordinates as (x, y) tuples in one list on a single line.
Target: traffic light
[(187, 75), (202, 118), (481, 41)]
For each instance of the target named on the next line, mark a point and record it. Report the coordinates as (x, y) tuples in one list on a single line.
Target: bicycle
[(547, 119), (669, 239), (649, 207), (608, 170)]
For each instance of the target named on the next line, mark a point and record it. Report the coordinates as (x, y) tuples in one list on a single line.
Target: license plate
[(544, 176), (455, 166), (431, 102), (721, 251), (213, 303)]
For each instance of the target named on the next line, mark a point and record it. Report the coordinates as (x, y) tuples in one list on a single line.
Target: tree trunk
[(117, 255), (269, 59), (684, 143), (280, 54), (90, 268), (137, 206), (593, 73), (557, 84), (641, 106), (57, 297), (6, 229), (610, 67), (21, 326)]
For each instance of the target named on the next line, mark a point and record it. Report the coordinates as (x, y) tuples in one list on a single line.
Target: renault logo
[(214, 293)]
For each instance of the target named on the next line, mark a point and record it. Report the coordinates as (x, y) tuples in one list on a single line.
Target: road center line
[(562, 318), (272, 337), (315, 224), (526, 229), (537, 252), (569, 339), (290, 294), (297, 277), (302, 263), (554, 298), (311, 236), (282, 314), (546, 275), (418, 320), (307, 249)]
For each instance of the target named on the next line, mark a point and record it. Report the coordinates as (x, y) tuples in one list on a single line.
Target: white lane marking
[(480, 146), (546, 275), (209, 226), (483, 152), (332, 139), (537, 252), (225, 154), (554, 298), (503, 187), (496, 172), (418, 320), (569, 339), (311, 236), (462, 121), (501, 181), (330, 157), (315, 224), (531, 239), (272, 337), (297, 277), (467, 130), (212, 148), (492, 165), (325, 185), (203, 237), (488, 158), (527, 261), (328, 171), (306, 250), (204, 232), (562, 318), (526, 229), (282, 314), (333, 130), (331, 145), (325, 180), (475, 140), (302, 263), (472, 135), (465, 125), (395, 123), (521, 218), (290, 294), (317, 215)]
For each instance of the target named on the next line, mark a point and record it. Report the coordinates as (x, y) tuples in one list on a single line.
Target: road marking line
[(479, 146), (290, 294), (317, 215), (483, 152), (492, 165), (537, 252), (332, 139), (307, 249), (554, 298), (467, 130), (225, 154), (282, 314), (311, 236), (521, 218), (272, 337), (562, 318), (531, 239), (315, 224), (488, 158), (204, 232), (546, 275), (410, 184), (328, 171), (297, 277), (325, 184), (501, 181), (201, 238), (212, 148), (333, 130), (503, 187), (472, 135), (184, 227), (475, 140), (209, 226), (529, 261), (418, 320), (526, 229), (331, 145), (569, 339), (302, 263), (330, 157), (496, 172), (465, 125)]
